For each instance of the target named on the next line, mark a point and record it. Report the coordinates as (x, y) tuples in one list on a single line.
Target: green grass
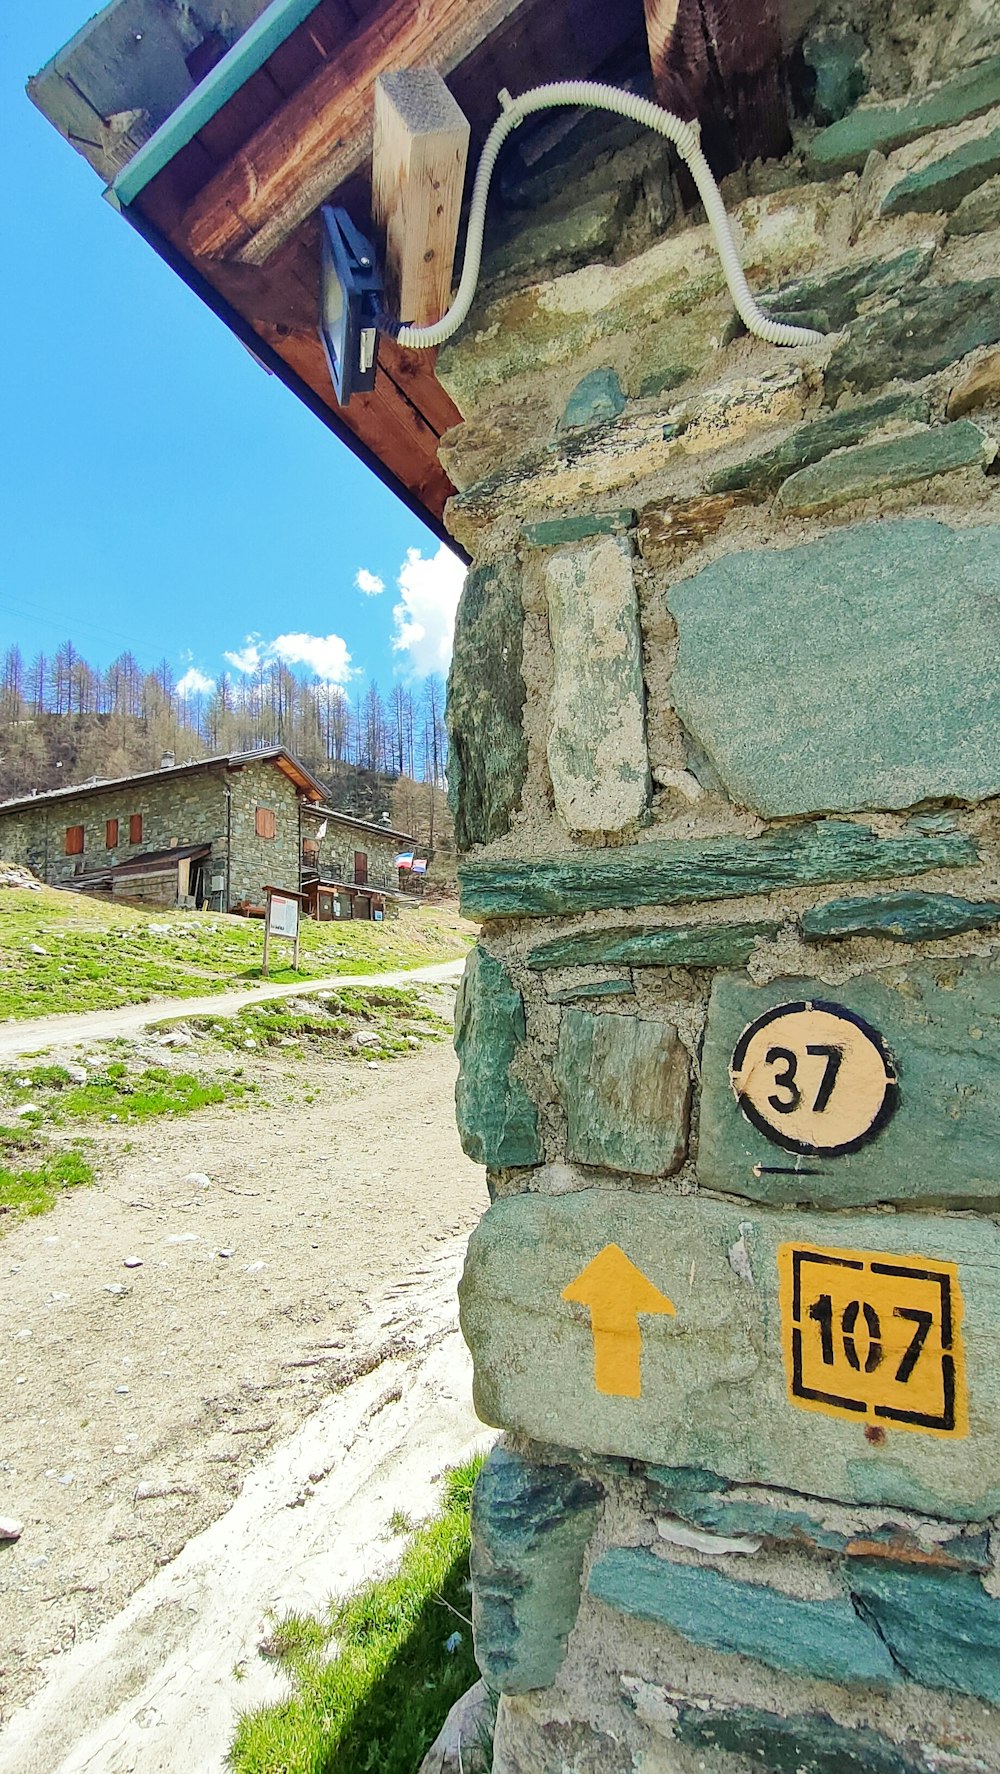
[(98, 956), (34, 1188), (394, 1015), (113, 1094), (35, 1167), (372, 1683)]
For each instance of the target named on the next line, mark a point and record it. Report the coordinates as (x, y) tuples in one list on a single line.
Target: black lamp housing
[(350, 301)]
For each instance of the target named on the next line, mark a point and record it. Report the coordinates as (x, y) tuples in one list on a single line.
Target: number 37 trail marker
[(617, 1294)]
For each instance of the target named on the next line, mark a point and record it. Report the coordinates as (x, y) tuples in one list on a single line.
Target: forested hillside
[(63, 721)]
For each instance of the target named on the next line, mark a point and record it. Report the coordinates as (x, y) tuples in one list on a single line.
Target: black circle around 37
[(890, 1101)]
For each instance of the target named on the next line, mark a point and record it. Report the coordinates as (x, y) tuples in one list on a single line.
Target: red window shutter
[(266, 824), (111, 834), (74, 840), (135, 828), (360, 868)]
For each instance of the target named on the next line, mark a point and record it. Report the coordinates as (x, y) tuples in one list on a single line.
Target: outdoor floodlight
[(350, 301)]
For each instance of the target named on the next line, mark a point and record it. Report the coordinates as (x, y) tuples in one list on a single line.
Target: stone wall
[(725, 722), (187, 809), (262, 862), (337, 849), (178, 809)]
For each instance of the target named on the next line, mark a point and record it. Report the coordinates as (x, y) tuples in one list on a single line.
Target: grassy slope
[(375, 1705), (98, 956)]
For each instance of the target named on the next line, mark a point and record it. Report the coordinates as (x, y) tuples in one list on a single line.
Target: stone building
[(215, 832), (725, 720)]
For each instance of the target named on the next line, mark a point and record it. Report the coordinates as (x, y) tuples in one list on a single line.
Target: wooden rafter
[(720, 61), (317, 138)]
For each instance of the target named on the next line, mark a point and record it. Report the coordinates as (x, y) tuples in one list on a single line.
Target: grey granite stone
[(858, 671), (625, 1086)]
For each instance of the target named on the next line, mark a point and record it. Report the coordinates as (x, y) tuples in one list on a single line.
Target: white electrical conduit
[(686, 139)]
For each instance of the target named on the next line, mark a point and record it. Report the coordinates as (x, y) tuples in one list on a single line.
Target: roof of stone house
[(288, 764), (221, 128)]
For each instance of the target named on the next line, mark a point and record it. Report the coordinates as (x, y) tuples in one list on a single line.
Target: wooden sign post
[(281, 918)]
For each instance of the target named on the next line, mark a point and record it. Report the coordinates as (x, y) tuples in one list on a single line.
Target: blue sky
[(158, 490)]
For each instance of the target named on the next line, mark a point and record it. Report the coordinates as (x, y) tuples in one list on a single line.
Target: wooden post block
[(418, 172)]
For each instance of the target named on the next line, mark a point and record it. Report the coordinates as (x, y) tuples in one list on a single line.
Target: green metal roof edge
[(248, 53)]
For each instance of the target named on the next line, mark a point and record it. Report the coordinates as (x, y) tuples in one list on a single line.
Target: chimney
[(167, 761)]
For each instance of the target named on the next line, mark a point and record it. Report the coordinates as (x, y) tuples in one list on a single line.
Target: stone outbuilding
[(211, 833)]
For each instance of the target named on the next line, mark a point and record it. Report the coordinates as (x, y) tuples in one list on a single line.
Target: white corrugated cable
[(685, 136)]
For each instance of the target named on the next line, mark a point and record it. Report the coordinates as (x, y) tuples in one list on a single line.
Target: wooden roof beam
[(320, 135), (418, 174), (720, 61)]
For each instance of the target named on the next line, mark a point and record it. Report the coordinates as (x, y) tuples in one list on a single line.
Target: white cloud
[(249, 655), (369, 583), (326, 655), (195, 683), (425, 616)]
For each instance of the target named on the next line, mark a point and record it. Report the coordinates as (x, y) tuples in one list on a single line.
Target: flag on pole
[(320, 831), (419, 866), (405, 859)]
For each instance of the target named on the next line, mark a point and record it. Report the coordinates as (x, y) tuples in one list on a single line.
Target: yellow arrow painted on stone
[(617, 1294)]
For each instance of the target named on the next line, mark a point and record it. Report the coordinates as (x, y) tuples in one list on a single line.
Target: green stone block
[(834, 57), (944, 183), (601, 988), (858, 671), (810, 443), (530, 1528), (497, 1120), (941, 1148), (880, 128), (941, 1627), (903, 917), (488, 751), (597, 397), (805, 1743), (874, 468), (782, 1524), (712, 1387), (979, 211), (625, 1086), (674, 871), (551, 532), (684, 945), (823, 1639), (582, 232), (831, 300), (924, 332)]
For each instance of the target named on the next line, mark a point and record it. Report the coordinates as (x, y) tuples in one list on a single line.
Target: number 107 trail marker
[(854, 1356), (617, 1294)]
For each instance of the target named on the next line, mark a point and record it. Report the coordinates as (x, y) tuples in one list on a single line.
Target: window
[(135, 828), (111, 834), (74, 840), (266, 824)]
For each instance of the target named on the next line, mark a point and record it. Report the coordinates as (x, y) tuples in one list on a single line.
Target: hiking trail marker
[(874, 1338), (814, 1078), (617, 1294)]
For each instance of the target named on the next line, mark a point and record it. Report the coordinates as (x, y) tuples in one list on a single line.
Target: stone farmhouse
[(211, 833)]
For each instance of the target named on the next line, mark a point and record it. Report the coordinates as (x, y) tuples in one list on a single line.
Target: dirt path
[(159, 1686), (135, 1399), (37, 1034)]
